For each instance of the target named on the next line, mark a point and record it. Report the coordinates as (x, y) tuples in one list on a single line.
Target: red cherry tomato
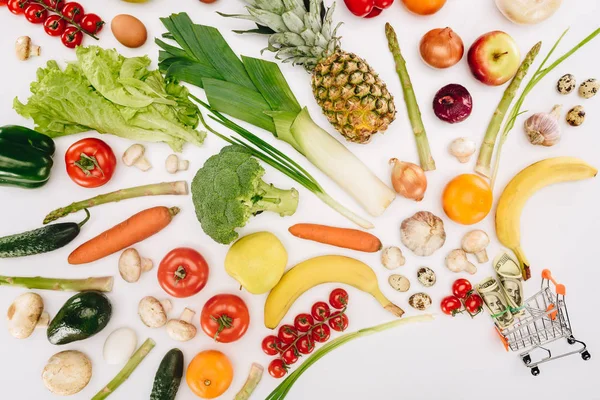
[(474, 304), (183, 272), (73, 11), (36, 14), (338, 298), (451, 305), (320, 311), (383, 4), (271, 345), (374, 12), (290, 355), (305, 344), (287, 334), (91, 23), (3, 2), (461, 288), (54, 4), (321, 333), (338, 322), (304, 322), (90, 162), (225, 318), (360, 8), (277, 369), (17, 7), (71, 37), (54, 25)]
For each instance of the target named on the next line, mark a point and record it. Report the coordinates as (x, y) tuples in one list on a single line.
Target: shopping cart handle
[(560, 288)]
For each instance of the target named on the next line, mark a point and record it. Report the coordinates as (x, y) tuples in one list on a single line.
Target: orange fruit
[(209, 374), (424, 7), (467, 199)]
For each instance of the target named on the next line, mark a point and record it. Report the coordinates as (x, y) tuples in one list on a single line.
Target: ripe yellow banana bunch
[(522, 187), (318, 270)]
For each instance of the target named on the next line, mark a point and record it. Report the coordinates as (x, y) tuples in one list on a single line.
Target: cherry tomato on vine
[(71, 37), (17, 7), (383, 4), (287, 334), (90, 162), (36, 14), (360, 8), (54, 4), (73, 11), (183, 272), (225, 318), (474, 304), (338, 322), (3, 2), (305, 344), (338, 298), (321, 333), (54, 25), (374, 13), (290, 355), (461, 288), (451, 305), (320, 311), (271, 345), (303, 322), (91, 23), (277, 369)]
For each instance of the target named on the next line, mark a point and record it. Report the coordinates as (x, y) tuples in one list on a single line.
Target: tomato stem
[(180, 274), (87, 163), (224, 321)]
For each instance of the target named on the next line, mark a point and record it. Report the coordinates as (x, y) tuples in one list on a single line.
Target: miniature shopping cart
[(544, 320)]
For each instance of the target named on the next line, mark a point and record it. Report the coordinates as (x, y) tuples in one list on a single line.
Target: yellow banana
[(318, 270), (522, 187)]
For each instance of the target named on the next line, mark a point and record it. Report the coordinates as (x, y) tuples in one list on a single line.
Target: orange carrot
[(340, 237), (135, 229)]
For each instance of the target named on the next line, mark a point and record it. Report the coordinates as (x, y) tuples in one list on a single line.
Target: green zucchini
[(168, 376), (42, 240), (81, 317)]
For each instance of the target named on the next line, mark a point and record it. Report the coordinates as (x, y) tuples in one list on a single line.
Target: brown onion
[(408, 179), (441, 48)]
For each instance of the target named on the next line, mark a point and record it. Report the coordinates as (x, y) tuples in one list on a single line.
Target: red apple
[(494, 58)]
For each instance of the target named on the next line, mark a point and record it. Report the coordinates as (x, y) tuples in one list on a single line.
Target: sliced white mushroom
[(392, 258), (174, 164), (119, 346), (67, 372), (24, 49), (25, 314), (182, 329), (475, 242), (457, 261), (152, 312), (131, 265), (135, 156), (462, 149)]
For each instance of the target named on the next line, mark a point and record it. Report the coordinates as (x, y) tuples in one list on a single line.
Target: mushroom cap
[(130, 265), (475, 241), (67, 372), (152, 312), (133, 153), (457, 261), (392, 257), (23, 314), (181, 331), (172, 163), (462, 147)]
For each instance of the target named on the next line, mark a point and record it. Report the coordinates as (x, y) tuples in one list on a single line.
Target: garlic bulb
[(543, 128), (408, 180), (528, 11)]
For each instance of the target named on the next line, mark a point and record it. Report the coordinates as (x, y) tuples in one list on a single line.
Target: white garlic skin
[(543, 128)]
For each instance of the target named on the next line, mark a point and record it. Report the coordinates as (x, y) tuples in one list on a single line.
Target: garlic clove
[(543, 128)]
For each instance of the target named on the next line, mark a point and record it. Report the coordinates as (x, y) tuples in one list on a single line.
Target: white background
[(449, 358)]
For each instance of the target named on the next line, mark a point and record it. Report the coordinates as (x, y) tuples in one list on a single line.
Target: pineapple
[(353, 97)]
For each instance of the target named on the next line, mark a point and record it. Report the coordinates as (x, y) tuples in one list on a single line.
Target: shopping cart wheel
[(535, 371), (571, 340), (586, 355), (527, 359)]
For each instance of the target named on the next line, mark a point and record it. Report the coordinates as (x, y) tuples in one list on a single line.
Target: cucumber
[(168, 376), (42, 240), (81, 317)]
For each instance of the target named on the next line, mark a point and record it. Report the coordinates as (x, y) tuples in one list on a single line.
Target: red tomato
[(3, 2), (183, 272), (90, 162), (320, 311), (305, 344), (17, 7), (338, 298), (73, 11), (474, 304), (338, 321), (225, 318), (271, 345), (461, 288), (287, 334), (304, 322), (290, 355), (277, 369), (53, 4), (360, 8), (71, 37), (54, 25), (321, 333), (451, 305), (91, 23), (374, 13), (383, 4), (36, 14)]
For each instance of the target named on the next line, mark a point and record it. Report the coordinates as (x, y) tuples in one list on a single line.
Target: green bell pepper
[(25, 157)]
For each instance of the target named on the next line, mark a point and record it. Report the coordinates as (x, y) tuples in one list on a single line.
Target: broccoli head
[(229, 189)]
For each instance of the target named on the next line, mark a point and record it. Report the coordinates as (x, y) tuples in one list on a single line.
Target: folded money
[(496, 302), (510, 280)]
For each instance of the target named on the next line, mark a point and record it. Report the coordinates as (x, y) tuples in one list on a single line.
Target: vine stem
[(69, 20)]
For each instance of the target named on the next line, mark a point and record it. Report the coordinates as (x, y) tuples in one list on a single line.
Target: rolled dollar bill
[(510, 280), (495, 302)]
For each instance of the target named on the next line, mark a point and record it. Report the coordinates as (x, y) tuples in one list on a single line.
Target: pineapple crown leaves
[(300, 31)]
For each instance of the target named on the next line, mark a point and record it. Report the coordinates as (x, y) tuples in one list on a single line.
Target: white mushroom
[(134, 156), (182, 329), (131, 265), (25, 314), (392, 258), (24, 49), (475, 242), (457, 261), (462, 149), (152, 312), (174, 164), (67, 372)]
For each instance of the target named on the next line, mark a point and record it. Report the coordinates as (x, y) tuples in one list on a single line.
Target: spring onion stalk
[(254, 377), (100, 284), (541, 72), (284, 387)]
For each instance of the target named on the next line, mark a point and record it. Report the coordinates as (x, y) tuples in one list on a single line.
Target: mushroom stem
[(187, 315), (24, 49), (166, 305), (147, 264), (44, 320), (482, 256), (174, 164)]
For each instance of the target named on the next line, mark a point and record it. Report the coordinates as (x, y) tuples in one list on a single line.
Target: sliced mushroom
[(392, 258), (475, 242), (135, 156), (25, 314), (182, 329), (24, 49), (67, 372), (131, 265), (152, 312), (457, 261), (174, 164)]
